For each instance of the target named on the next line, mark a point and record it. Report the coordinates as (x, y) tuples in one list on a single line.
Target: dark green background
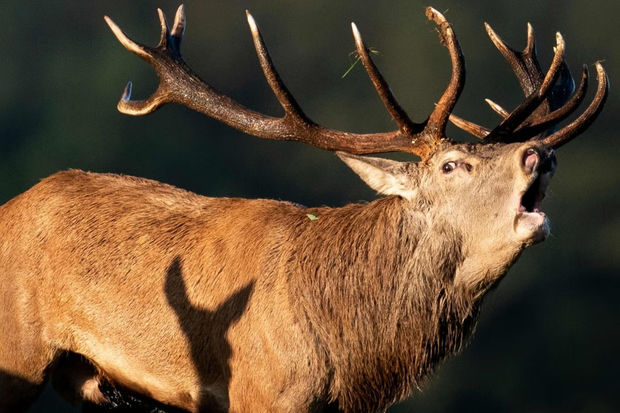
[(549, 336)]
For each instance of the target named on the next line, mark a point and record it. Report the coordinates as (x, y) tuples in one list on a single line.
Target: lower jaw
[(531, 227)]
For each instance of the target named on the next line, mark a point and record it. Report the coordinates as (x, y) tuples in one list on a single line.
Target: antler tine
[(136, 48), (580, 124), (405, 124), (547, 121), (523, 111), (178, 27), (175, 36), (556, 64), (165, 30), (530, 46), (138, 107), (284, 96), (524, 64), (474, 129), (439, 117), (469, 127), (497, 108)]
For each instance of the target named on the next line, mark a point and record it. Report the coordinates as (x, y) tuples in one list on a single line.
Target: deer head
[(493, 188)]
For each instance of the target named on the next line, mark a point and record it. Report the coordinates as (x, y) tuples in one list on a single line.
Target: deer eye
[(448, 167)]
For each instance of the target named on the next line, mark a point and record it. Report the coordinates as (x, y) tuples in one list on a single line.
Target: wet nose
[(538, 159)]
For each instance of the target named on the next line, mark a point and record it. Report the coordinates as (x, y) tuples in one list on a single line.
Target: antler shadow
[(205, 331)]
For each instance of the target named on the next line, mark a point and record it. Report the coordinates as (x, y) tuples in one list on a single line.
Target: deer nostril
[(531, 158)]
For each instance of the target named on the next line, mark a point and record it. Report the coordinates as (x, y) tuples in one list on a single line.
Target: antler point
[(251, 22), (178, 27), (432, 10), (126, 41), (163, 40), (357, 36), (434, 15), (126, 96), (111, 24), (490, 32), (162, 16)]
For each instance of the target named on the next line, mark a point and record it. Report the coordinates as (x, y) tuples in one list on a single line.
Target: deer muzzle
[(531, 223)]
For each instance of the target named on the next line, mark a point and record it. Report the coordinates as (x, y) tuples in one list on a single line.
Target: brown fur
[(221, 304)]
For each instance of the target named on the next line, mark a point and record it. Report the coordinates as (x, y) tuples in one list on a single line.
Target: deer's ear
[(383, 175)]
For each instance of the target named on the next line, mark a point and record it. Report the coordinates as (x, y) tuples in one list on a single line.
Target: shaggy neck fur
[(386, 311)]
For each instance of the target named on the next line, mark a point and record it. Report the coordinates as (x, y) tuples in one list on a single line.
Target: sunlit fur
[(239, 305)]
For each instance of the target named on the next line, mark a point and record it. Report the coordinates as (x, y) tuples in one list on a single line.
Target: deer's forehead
[(475, 150)]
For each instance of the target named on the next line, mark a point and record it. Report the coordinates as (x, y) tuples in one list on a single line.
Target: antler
[(548, 97), (179, 84)]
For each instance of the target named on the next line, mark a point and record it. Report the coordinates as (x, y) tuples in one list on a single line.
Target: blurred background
[(549, 336)]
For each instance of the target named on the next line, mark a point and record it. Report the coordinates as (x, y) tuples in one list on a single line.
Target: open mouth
[(531, 224), (542, 168), (531, 200)]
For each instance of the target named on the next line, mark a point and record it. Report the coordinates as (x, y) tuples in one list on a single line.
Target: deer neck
[(375, 284)]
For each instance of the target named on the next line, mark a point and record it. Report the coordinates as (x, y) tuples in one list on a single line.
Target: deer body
[(228, 280), (220, 304), (248, 305)]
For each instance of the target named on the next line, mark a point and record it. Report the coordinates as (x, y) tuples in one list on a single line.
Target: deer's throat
[(382, 302)]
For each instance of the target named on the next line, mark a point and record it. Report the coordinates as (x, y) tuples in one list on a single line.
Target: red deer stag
[(221, 304)]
